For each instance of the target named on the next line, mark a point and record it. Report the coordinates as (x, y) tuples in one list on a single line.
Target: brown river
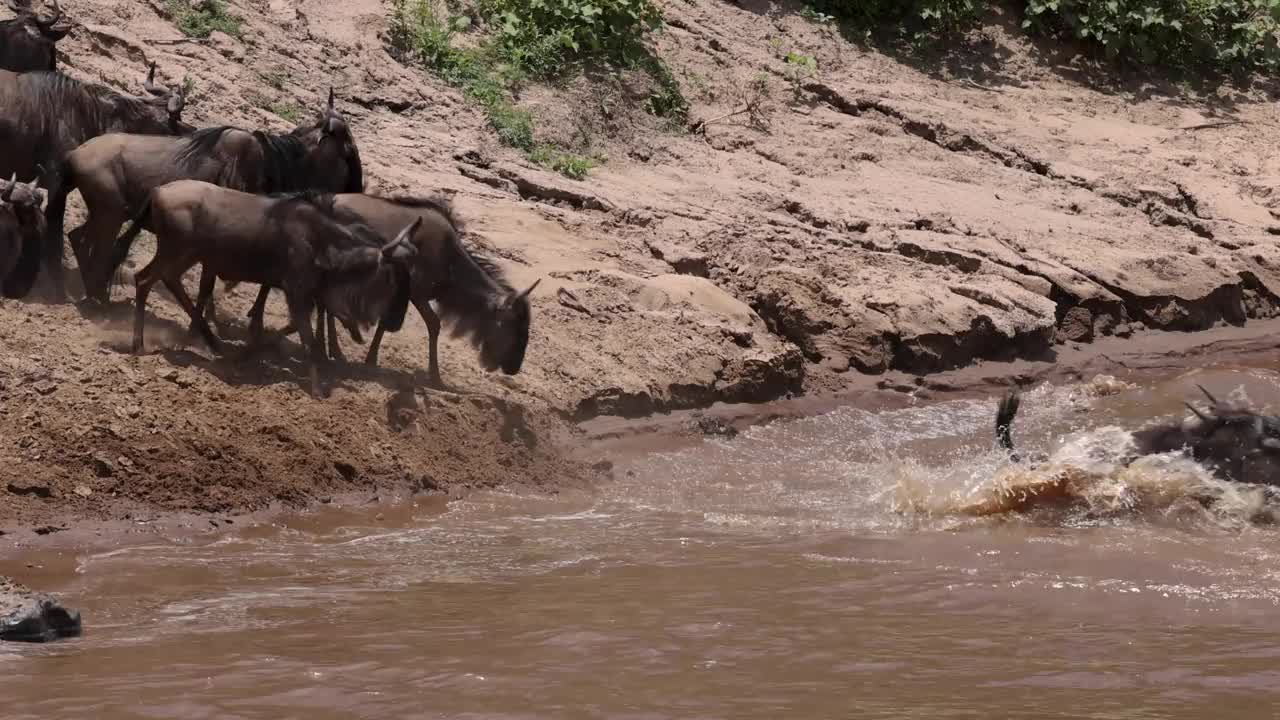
[(818, 568)]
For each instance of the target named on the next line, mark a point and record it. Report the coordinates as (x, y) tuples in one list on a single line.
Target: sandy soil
[(886, 218)]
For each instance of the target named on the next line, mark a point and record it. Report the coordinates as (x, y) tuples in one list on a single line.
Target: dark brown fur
[(115, 173), (28, 41), (44, 116), (470, 290), (1236, 444), (292, 243), (21, 225)]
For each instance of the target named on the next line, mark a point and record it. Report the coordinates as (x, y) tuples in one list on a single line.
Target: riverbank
[(884, 229)]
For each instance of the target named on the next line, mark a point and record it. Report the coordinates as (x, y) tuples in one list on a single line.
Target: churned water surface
[(844, 566)]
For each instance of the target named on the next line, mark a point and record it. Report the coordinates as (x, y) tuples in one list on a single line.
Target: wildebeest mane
[(438, 203), (61, 103), (284, 160)]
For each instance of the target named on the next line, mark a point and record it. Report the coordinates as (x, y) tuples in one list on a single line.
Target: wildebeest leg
[(180, 292), (335, 349), (57, 205), (301, 315), (143, 281), (371, 359), (256, 312), (433, 340), (99, 238), (204, 298)]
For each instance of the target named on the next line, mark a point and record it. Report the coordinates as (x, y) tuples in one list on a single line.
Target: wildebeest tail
[(1005, 413), (124, 243)]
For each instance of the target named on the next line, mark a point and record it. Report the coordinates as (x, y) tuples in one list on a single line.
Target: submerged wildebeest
[(115, 173), (470, 290), (1236, 444), (44, 116), (21, 222), (27, 42), (292, 242)]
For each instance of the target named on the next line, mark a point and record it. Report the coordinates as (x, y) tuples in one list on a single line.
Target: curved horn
[(1212, 399), (57, 15), (525, 294), (331, 98), (1199, 414)]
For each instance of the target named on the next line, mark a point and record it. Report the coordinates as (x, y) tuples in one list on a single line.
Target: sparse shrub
[(909, 17), (540, 39), (201, 18)]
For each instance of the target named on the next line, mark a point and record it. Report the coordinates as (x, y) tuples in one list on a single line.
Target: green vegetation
[(534, 40), (1217, 34), (1200, 35), (201, 18), (287, 110)]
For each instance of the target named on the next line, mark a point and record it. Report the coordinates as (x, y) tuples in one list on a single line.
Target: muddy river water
[(807, 569)]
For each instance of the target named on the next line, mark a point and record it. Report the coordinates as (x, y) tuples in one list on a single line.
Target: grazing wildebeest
[(469, 289), (291, 242), (44, 116), (27, 42), (21, 223), (116, 172), (1236, 444)]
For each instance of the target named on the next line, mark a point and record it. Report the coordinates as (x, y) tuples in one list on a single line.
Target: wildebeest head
[(1239, 444), (505, 339), (22, 227), (332, 151), (364, 258), (27, 41), (25, 199)]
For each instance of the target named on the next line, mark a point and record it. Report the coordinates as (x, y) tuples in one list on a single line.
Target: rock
[(40, 491), (83, 491), (45, 387), (102, 467), (715, 427), (345, 469), (1076, 325), (685, 262), (26, 616), (227, 45)]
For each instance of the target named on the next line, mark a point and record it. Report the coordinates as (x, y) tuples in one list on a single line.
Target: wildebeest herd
[(286, 211)]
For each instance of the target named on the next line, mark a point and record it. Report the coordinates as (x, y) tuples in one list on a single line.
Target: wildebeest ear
[(6, 192)]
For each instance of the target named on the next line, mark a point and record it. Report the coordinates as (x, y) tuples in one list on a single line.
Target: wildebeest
[(44, 116), (116, 172), (27, 42), (21, 223), (470, 290), (1236, 444), (292, 242)]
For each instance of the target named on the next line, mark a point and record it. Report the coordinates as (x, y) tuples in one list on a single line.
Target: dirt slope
[(895, 215)]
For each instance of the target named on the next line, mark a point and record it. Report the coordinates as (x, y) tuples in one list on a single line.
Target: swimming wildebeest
[(27, 41), (44, 116), (1236, 444), (116, 172), (291, 242), (470, 290), (21, 223)]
